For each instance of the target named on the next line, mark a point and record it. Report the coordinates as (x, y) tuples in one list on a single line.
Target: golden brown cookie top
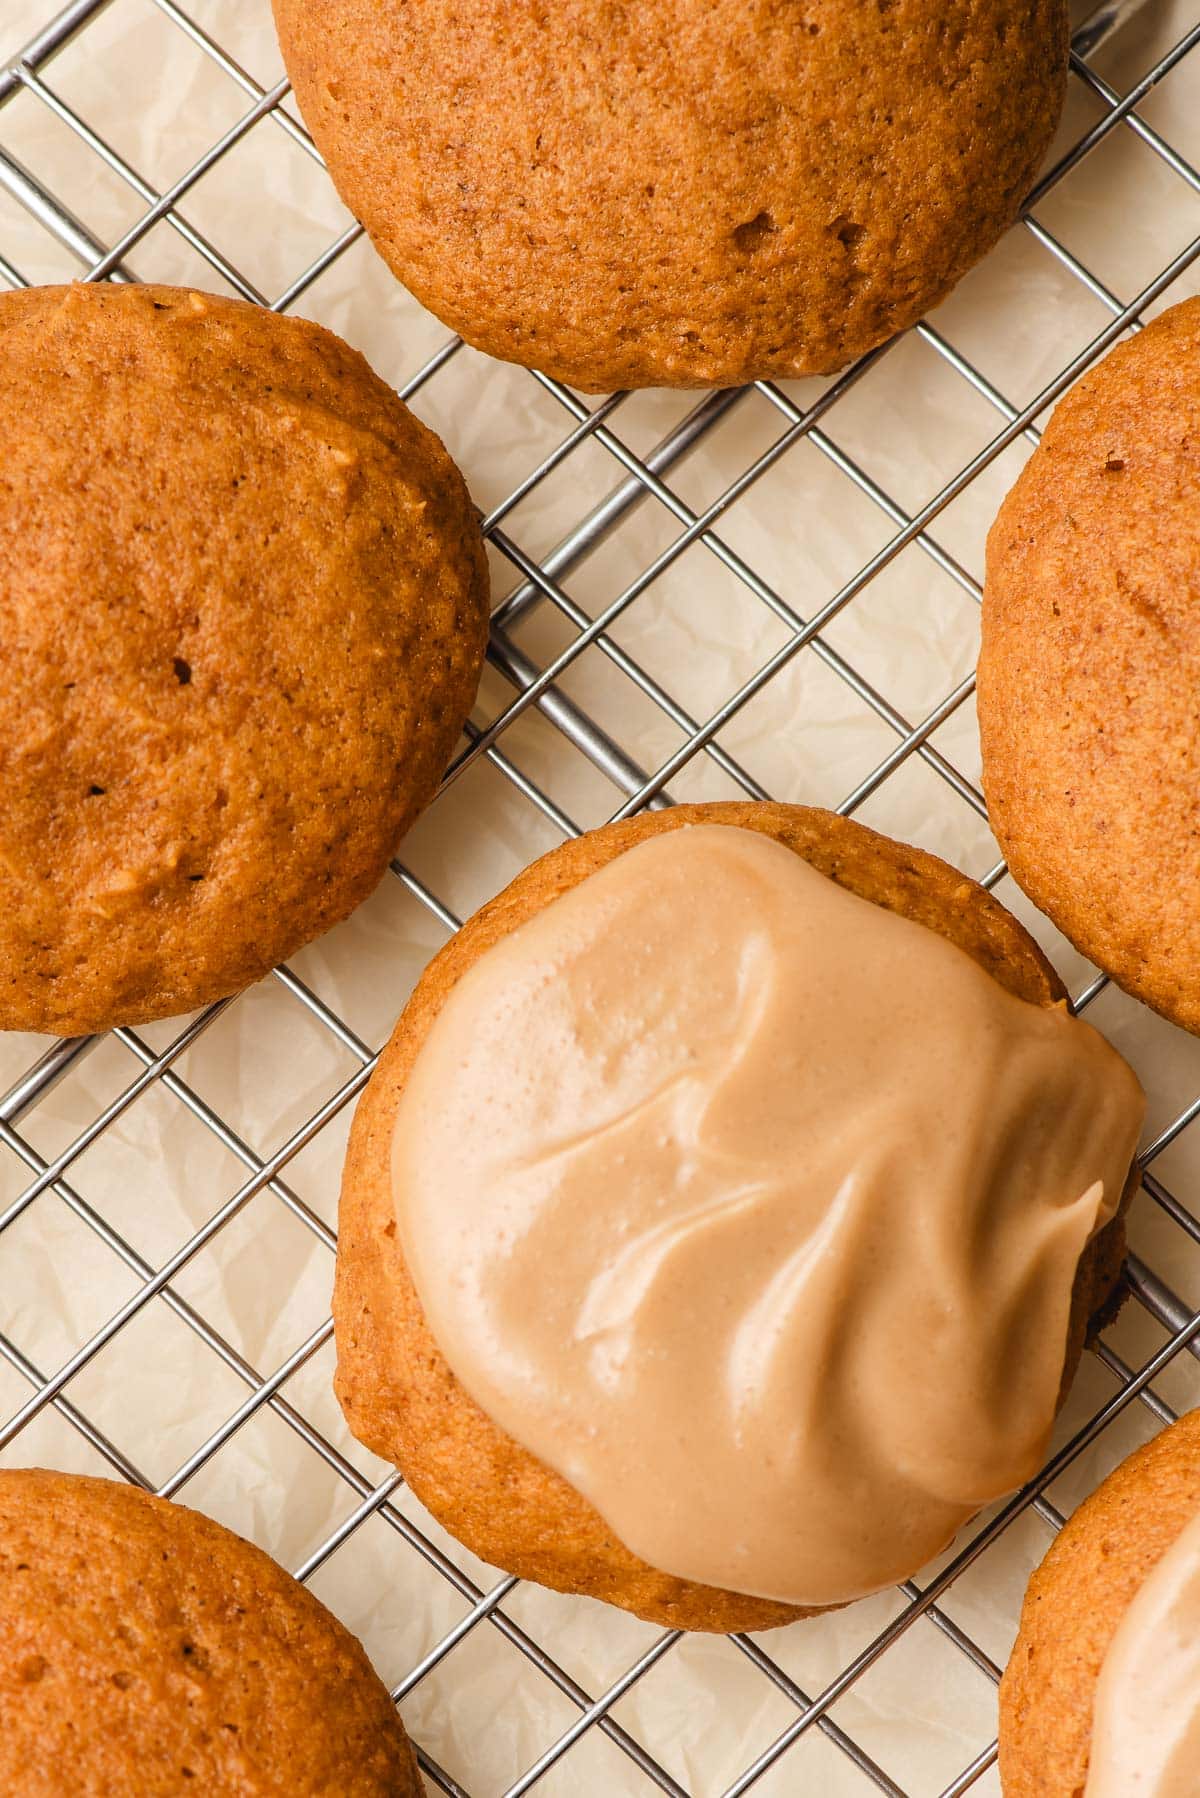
[(679, 193), (144, 1648), (243, 605), (1089, 675), (1075, 1603)]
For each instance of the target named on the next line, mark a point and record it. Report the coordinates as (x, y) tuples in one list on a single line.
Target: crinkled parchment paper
[(169, 1382)]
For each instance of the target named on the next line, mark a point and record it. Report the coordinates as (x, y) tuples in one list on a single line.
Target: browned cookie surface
[(1073, 1606), (1089, 675), (683, 193), (400, 1396), (145, 1649), (242, 607)]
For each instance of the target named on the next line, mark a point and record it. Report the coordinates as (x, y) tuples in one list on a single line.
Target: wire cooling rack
[(151, 1204)]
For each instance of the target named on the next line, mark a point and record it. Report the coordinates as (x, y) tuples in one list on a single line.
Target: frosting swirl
[(753, 1209)]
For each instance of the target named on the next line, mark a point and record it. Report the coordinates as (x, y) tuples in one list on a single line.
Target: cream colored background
[(266, 1065)]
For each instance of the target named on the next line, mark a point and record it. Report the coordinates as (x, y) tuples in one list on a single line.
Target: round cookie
[(145, 1649), (398, 1392), (1089, 673), (1074, 1604), (686, 194), (243, 602)]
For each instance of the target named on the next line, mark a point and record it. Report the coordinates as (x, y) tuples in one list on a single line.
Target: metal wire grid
[(538, 583)]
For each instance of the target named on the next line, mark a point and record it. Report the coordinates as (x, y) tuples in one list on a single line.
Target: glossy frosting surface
[(753, 1209)]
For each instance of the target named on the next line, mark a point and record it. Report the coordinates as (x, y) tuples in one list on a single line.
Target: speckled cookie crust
[(146, 1650), (687, 193), (397, 1391), (243, 606), (1089, 675), (1073, 1606)]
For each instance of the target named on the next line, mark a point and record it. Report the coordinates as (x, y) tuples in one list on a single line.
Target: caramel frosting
[(753, 1209), (1146, 1715)]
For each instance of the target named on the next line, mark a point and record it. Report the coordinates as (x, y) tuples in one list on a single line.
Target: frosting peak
[(754, 1210)]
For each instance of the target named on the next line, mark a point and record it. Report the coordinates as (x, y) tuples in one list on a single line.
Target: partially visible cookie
[(1075, 1603), (243, 606), (398, 1392), (684, 194), (1089, 673), (145, 1649)]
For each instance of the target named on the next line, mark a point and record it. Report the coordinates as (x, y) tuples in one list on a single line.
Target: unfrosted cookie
[(1089, 674), (145, 1649), (399, 1394), (243, 606), (1075, 1602), (679, 194)]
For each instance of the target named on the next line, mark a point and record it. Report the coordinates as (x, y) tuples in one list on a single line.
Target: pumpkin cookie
[(1089, 673), (683, 194), (398, 1388), (1081, 1611), (145, 1649), (243, 604)]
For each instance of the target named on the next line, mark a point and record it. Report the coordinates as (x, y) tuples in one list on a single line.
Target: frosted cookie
[(243, 605), (1101, 1696), (682, 194), (144, 1649), (1089, 674), (697, 1208)]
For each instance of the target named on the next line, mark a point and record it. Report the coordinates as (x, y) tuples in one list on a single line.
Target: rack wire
[(532, 680)]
